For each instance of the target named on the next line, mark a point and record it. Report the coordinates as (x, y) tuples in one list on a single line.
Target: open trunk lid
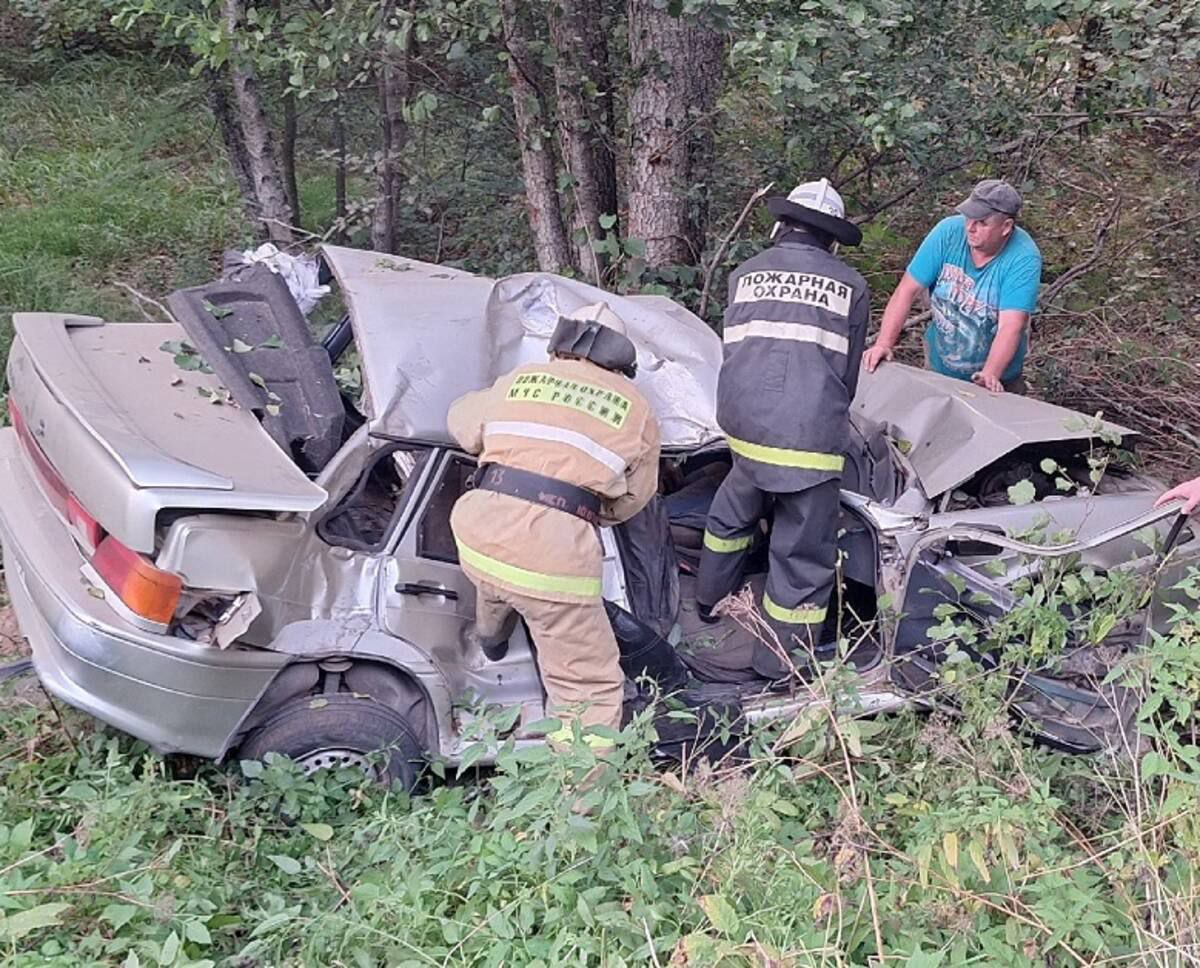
[(133, 434)]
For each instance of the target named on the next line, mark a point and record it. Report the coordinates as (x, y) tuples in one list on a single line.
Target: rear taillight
[(53, 485), (85, 528), (149, 592)]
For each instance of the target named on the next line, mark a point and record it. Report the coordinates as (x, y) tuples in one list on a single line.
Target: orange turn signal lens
[(148, 591)]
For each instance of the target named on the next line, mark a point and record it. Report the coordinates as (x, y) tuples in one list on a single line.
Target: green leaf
[(240, 347), (197, 933), (1049, 465), (289, 865), (257, 379), (16, 926), (118, 915), (607, 221), (722, 915), (1023, 492), (170, 950), (217, 312), (950, 848), (1155, 764), (321, 831), (251, 769), (22, 835), (271, 343), (975, 852)]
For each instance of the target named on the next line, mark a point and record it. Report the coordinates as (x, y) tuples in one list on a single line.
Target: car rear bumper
[(176, 695)]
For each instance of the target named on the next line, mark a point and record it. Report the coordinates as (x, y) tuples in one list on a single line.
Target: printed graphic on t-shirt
[(964, 321)]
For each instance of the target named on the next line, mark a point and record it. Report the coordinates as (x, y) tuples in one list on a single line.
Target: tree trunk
[(583, 86), (339, 176), (708, 57), (677, 65), (231, 134), (289, 157), (550, 240), (393, 84), (269, 191)]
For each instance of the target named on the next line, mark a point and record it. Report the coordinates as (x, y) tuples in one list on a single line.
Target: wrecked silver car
[(212, 546)]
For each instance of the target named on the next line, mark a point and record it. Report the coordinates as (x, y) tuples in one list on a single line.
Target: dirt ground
[(12, 645)]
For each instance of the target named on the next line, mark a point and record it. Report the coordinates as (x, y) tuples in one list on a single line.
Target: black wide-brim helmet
[(595, 333), (816, 204)]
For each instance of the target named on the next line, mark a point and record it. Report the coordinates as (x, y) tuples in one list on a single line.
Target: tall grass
[(908, 840), (110, 172)]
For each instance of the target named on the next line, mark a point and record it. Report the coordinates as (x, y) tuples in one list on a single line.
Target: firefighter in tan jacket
[(564, 447)]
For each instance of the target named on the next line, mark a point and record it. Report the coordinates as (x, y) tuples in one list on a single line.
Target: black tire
[(340, 730)]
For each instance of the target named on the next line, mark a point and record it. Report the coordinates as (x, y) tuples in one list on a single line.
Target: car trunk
[(117, 433)]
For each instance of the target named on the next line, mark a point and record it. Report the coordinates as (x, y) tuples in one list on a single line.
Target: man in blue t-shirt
[(982, 273)]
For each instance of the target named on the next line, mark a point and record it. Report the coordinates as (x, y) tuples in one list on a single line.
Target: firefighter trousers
[(802, 558), (577, 654)]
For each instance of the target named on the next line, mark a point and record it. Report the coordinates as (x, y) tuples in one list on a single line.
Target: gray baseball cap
[(989, 196)]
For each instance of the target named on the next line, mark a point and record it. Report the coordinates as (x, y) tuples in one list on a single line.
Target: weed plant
[(934, 840)]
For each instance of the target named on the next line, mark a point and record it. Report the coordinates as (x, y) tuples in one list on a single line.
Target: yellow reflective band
[(804, 615), (524, 578), (726, 546), (810, 460), (605, 405)]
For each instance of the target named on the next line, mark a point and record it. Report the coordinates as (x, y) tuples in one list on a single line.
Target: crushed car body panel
[(132, 434), (176, 694), (428, 334), (955, 429)]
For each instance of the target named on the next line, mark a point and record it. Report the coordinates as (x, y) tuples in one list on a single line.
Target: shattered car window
[(363, 519)]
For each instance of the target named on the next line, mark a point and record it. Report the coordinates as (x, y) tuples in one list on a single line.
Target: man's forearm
[(894, 315), (1004, 348)]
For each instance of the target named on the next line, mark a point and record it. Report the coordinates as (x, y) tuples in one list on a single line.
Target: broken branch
[(719, 254), (143, 298), (1064, 280)]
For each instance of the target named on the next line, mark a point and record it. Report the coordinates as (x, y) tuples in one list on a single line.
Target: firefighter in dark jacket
[(794, 335)]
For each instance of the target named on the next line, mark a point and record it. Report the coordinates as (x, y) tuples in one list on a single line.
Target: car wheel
[(340, 730)]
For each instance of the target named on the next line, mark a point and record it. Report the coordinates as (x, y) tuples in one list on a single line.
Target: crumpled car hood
[(428, 334), (951, 430)]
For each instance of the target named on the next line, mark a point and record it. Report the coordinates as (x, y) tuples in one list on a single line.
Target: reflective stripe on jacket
[(570, 420), (794, 333)]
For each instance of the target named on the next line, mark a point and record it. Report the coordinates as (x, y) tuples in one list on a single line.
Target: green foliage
[(942, 840)]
